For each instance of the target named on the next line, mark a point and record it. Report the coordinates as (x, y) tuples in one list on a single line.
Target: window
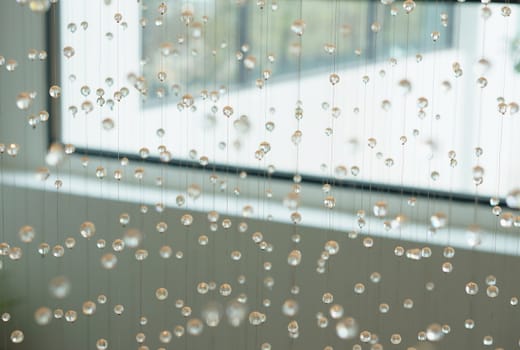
[(400, 107)]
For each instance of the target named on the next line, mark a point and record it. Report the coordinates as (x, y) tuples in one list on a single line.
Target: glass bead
[(71, 316), (108, 261), (11, 65), (408, 6), (434, 332), (59, 287), (26, 234), (87, 229), (505, 11), (194, 326), (294, 258), (359, 288), (469, 324), (119, 309), (68, 51), (298, 27), (89, 308), (471, 288), (43, 316), (347, 328), (492, 291), (17, 336), (101, 344)]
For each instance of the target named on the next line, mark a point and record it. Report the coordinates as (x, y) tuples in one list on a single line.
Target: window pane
[(400, 106)]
